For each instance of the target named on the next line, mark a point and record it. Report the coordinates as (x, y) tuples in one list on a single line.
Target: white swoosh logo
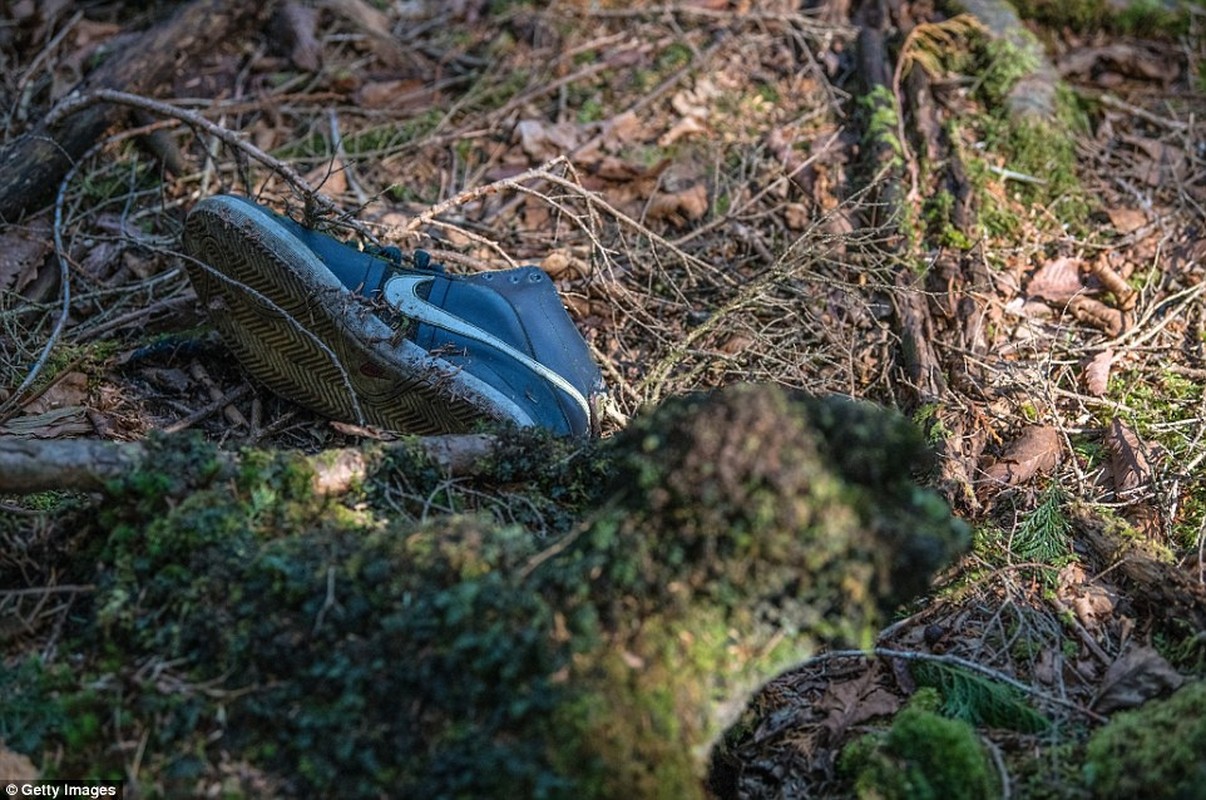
[(402, 292)]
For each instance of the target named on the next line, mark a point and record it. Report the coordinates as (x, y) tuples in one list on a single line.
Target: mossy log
[(1032, 97), (41, 465), (364, 655)]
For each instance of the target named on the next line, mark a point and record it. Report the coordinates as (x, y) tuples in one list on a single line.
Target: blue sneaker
[(366, 337)]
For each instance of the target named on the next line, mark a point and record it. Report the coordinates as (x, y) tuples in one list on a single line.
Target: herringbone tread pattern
[(299, 338)]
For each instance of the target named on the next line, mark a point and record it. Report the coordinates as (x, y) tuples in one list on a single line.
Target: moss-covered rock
[(460, 656), (1156, 751)]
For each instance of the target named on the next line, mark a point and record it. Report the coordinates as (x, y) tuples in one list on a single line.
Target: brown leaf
[(1129, 464), (69, 389), (543, 141), (1127, 220), (1098, 314), (1135, 678), (1158, 163), (1097, 373), (330, 178), (1037, 450), (395, 94), (797, 216), (678, 207), (1058, 280), (621, 130), (687, 126), (1125, 297), (16, 766), (1120, 58), (22, 253), (696, 101), (565, 263), (855, 701)]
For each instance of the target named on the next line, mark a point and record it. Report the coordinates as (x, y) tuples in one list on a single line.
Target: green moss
[(413, 653), (1137, 17), (923, 756), (882, 127), (1163, 407), (1001, 63), (1154, 751), (675, 55), (29, 706), (936, 212)]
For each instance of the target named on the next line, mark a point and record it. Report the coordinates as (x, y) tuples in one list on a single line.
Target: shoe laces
[(418, 260)]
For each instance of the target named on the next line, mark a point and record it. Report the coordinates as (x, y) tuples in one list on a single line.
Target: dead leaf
[(679, 207), (797, 216), (697, 100), (16, 766), (621, 130), (1125, 297), (1158, 163), (69, 389), (1129, 464), (855, 701), (374, 24), (565, 263), (1098, 314), (1135, 678), (686, 126), (1058, 280), (1126, 58), (1097, 373), (395, 94), (22, 253), (330, 178), (542, 141), (1037, 450), (102, 259), (1127, 220)]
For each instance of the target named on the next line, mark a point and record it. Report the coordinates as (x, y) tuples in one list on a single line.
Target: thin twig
[(317, 204), (214, 406), (962, 663)]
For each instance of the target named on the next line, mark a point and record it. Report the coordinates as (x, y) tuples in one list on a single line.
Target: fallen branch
[(1170, 591), (33, 165), (39, 465)]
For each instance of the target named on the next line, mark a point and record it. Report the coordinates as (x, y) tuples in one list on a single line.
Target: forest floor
[(995, 226)]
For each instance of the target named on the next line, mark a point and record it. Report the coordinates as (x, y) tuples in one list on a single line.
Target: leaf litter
[(709, 230)]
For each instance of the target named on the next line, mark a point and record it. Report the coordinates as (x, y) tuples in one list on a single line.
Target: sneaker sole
[(302, 334)]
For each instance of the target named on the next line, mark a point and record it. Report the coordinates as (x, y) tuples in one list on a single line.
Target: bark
[(33, 164), (1169, 592), (913, 322)]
